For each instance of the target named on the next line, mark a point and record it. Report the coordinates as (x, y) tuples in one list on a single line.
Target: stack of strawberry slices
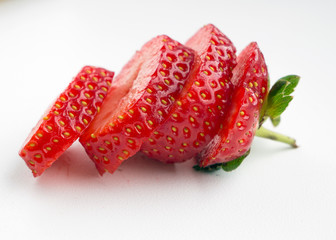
[(172, 102)]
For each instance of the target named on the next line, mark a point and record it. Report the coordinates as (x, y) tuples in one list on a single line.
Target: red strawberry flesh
[(66, 119), (159, 73), (198, 112), (250, 79)]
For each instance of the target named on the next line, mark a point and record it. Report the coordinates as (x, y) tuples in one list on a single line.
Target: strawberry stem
[(265, 133)]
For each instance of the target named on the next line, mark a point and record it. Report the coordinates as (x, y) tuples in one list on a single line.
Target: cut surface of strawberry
[(152, 80), (66, 119), (250, 79), (196, 117)]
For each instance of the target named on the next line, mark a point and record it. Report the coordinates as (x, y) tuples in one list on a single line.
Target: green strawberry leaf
[(275, 121), (274, 105), (227, 167), (279, 96), (232, 165)]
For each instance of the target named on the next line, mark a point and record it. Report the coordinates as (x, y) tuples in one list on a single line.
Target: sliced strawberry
[(250, 79), (157, 75), (66, 119), (198, 112)]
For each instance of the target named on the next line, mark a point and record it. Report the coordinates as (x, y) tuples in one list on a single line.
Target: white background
[(277, 193)]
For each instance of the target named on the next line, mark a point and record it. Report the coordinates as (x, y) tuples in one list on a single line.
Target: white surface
[(277, 193)]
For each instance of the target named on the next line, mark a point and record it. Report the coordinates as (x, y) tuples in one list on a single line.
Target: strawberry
[(197, 114), (250, 79), (66, 119), (156, 76)]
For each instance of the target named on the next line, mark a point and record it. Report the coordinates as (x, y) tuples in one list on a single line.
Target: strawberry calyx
[(227, 167), (276, 102), (278, 99)]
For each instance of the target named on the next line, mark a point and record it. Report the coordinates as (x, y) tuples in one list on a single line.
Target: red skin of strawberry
[(157, 75), (250, 79), (66, 119), (198, 112)]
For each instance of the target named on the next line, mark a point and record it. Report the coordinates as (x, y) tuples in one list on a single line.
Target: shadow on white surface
[(75, 170), (74, 164)]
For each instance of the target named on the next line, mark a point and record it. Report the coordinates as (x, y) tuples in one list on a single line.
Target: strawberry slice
[(156, 75), (66, 119), (250, 79), (198, 112)]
